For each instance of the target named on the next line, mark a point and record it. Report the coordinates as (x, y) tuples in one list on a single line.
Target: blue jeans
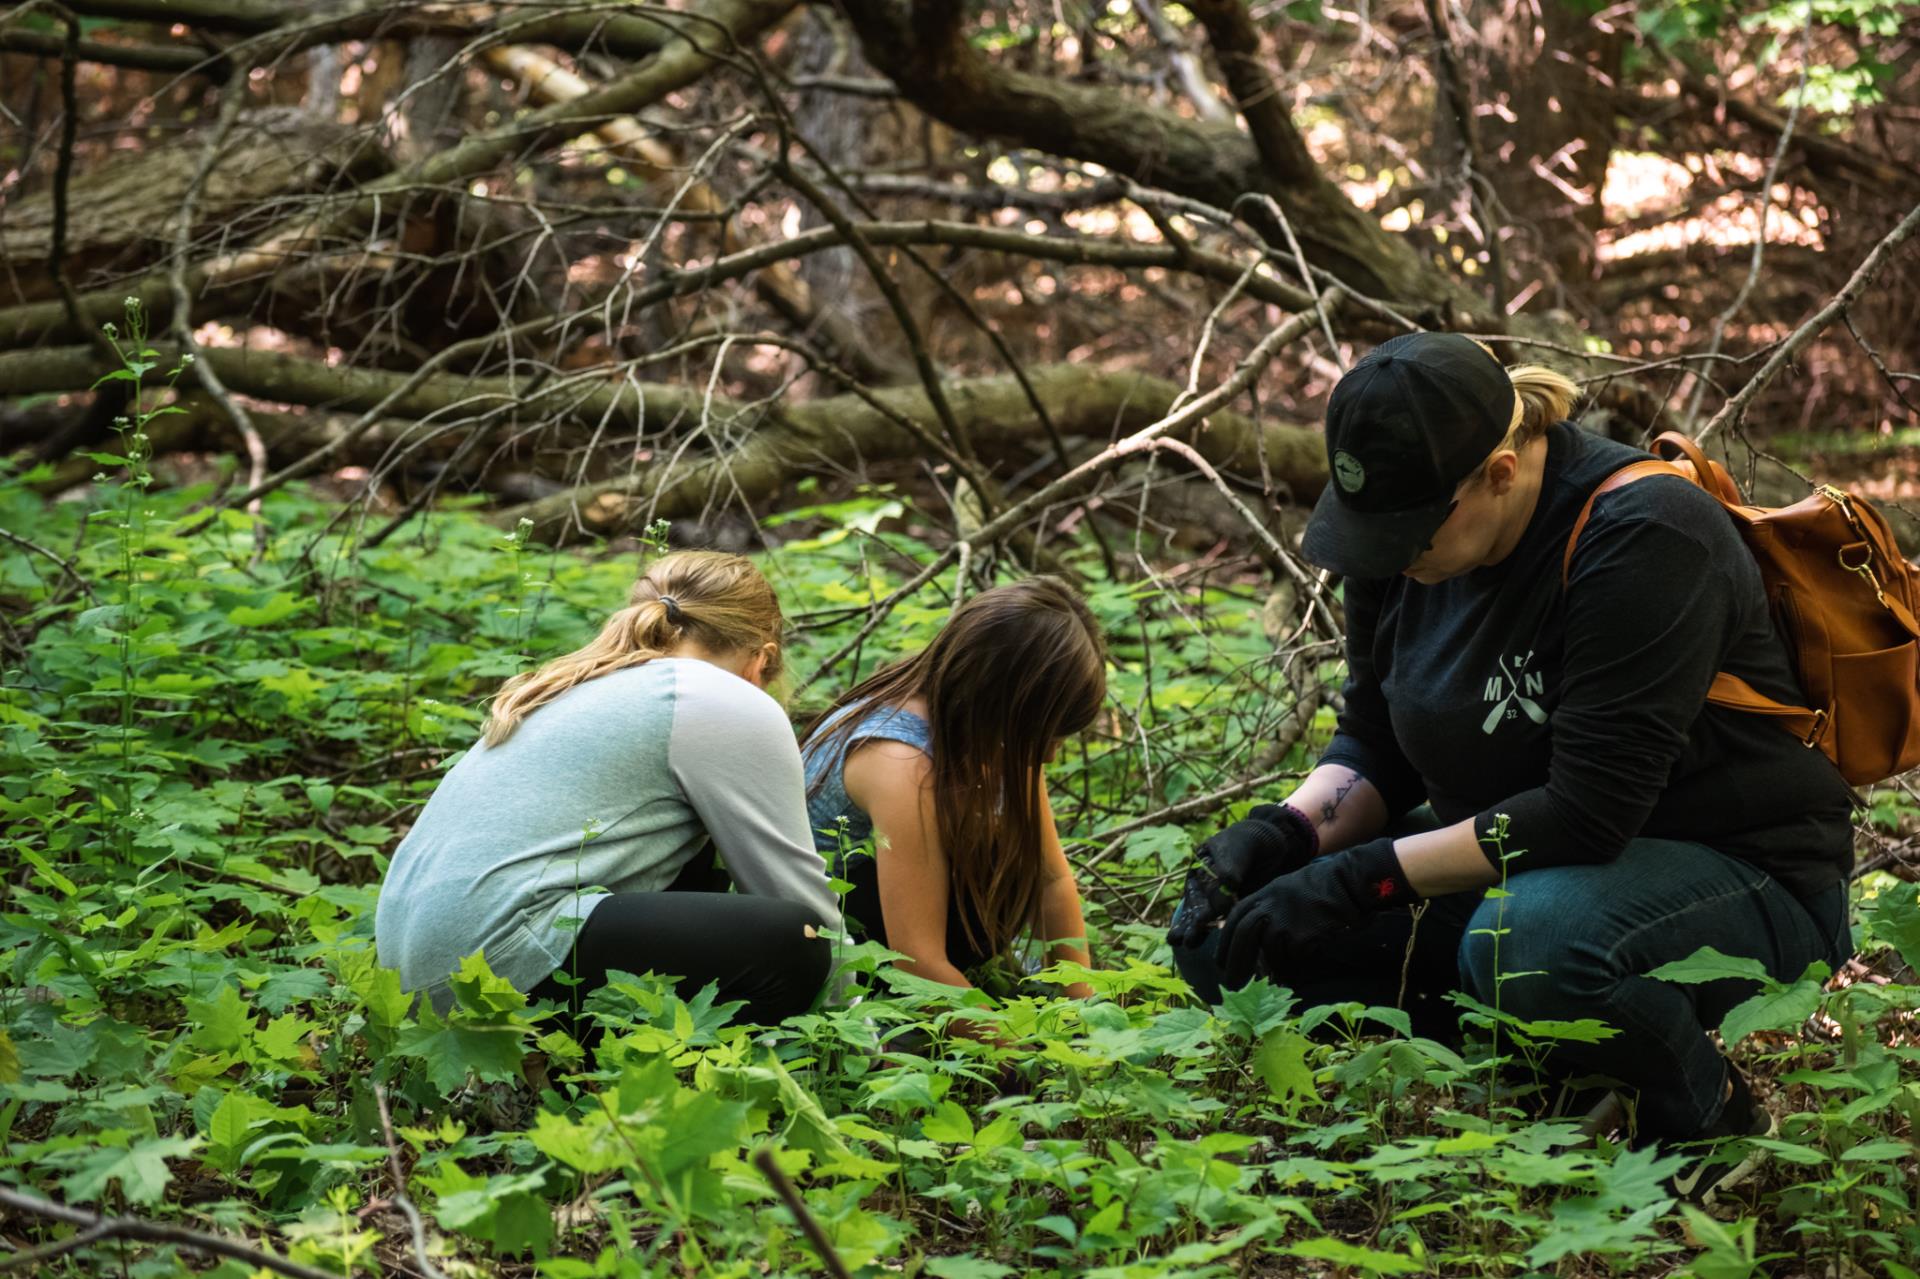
[(1581, 940)]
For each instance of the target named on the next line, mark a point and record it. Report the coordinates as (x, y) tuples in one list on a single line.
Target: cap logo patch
[(1348, 472)]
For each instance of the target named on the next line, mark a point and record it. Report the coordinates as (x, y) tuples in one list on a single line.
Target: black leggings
[(760, 949)]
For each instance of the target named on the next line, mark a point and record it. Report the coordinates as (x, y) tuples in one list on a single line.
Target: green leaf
[(948, 1122), (590, 1147), (479, 991), (701, 1125), (1789, 1151), (1256, 1007), (139, 1169), (279, 607), (1342, 1253), (223, 1022), (1882, 1149), (967, 1266), (453, 1048), (808, 1126), (298, 685), (1167, 848), (46, 874), (227, 1130), (1780, 1009), (522, 1223), (1282, 1063), (377, 988), (1708, 964), (1893, 917)]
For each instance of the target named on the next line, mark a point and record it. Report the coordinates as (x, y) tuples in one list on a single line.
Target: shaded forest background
[(606, 264)]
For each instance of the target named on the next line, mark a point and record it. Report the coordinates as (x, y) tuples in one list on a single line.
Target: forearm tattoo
[(1330, 809)]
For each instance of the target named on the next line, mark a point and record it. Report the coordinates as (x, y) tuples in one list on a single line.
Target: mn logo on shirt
[(1512, 693)]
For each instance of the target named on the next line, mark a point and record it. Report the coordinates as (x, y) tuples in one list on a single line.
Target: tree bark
[(689, 55), (1553, 69), (923, 48), (841, 430), (604, 30)]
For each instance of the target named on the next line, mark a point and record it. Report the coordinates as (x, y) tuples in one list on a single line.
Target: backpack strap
[(1736, 694), (1708, 474), (1730, 691), (1619, 479)]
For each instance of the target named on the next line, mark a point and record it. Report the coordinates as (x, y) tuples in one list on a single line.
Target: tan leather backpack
[(1843, 597)]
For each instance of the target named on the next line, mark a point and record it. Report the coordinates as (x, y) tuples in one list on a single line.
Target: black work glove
[(1296, 913), (1271, 840)]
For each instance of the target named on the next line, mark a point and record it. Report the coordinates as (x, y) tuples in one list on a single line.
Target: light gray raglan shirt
[(612, 787)]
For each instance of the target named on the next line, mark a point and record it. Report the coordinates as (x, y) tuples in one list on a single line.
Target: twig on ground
[(144, 1231), (65, 565), (400, 1199), (770, 1169)]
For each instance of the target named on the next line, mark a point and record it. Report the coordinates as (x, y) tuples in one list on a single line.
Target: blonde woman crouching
[(578, 836)]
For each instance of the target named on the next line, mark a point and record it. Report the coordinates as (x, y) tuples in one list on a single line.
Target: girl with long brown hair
[(578, 835), (939, 759)]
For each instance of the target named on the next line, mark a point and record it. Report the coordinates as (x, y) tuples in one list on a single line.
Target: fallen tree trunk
[(286, 29), (841, 430), (779, 285), (124, 212), (777, 443), (699, 43), (203, 426)]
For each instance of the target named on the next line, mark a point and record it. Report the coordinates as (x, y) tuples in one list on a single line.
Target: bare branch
[(770, 1169), (1734, 410), (61, 562), (1236, 44), (1141, 441), (155, 1232)]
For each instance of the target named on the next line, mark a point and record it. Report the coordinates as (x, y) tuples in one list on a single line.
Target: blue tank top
[(828, 802), (826, 763)]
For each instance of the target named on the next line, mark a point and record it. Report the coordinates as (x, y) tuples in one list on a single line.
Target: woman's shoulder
[(884, 766), (1671, 501), (872, 722), (704, 691), (895, 724)]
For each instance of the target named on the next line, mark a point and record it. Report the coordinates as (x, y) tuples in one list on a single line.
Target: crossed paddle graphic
[(1527, 704)]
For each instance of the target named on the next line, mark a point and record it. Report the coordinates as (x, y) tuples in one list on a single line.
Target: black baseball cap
[(1404, 427)]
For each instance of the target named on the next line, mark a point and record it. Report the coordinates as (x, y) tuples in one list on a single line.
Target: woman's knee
[(791, 958), (1524, 951)]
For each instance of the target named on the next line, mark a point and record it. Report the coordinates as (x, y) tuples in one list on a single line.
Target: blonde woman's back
[(613, 786)]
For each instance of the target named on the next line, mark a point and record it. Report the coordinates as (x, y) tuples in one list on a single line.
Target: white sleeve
[(734, 756)]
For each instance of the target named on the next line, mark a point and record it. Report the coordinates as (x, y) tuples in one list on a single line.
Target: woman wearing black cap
[(1562, 732)]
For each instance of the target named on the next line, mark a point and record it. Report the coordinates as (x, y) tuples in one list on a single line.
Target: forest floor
[(210, 744)]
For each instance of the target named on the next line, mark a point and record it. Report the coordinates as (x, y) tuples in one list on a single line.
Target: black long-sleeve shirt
[(1581, 714)]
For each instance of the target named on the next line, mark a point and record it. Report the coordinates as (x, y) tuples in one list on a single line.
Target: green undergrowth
[(210, 742)]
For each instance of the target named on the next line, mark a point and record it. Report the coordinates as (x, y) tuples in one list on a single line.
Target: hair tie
[(674, 614)]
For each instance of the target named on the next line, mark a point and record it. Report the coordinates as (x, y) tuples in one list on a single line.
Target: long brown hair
[(1014, 670), (719, 601)]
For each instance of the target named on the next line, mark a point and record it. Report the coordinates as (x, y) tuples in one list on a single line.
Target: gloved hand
[(1296, 913), (1271, 840)]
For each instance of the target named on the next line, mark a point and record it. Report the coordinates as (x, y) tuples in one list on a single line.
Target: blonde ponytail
[(718, 601), (1541, 397)]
